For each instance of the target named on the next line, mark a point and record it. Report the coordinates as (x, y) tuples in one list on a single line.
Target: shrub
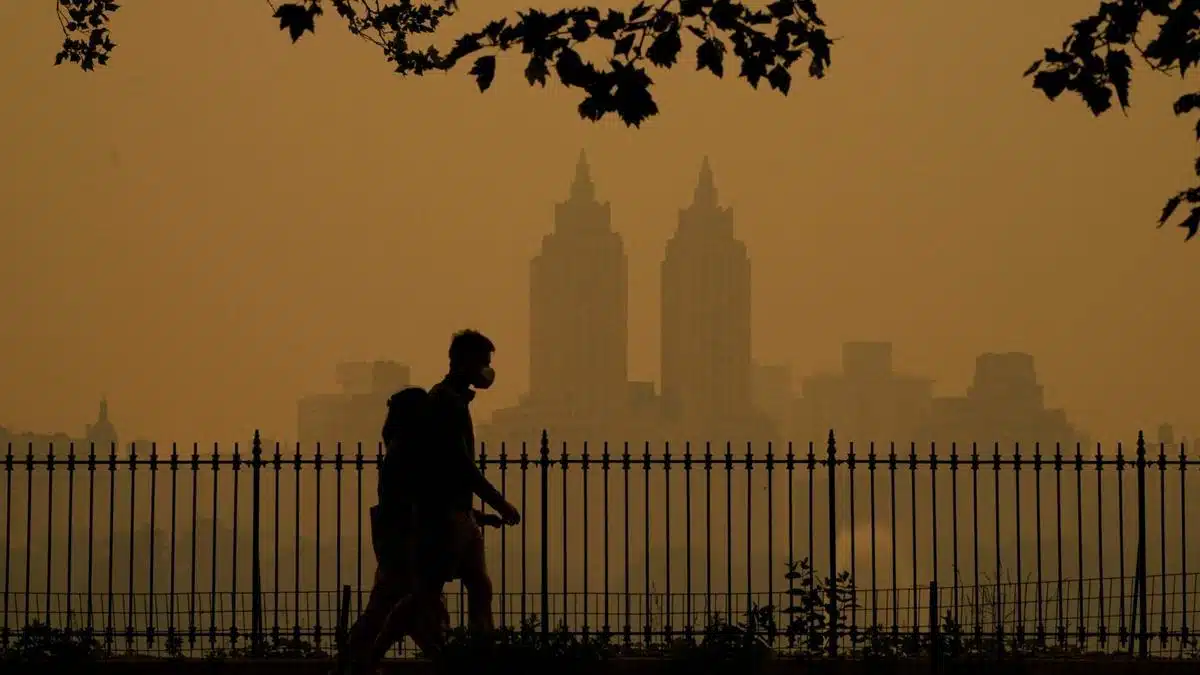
[(40, 644)]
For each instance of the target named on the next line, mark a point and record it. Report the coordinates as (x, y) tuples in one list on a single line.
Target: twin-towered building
[(579, 330)]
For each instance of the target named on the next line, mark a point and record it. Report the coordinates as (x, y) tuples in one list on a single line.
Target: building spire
[(705, 195), (582, 188), (103, 417)]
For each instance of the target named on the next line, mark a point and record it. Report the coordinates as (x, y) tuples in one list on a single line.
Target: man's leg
[(385, 619), (360, 645), (422, 614), (418, 616), (473, 571)]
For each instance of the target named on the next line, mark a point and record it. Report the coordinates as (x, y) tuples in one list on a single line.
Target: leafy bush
[(274, 647), (40, 644), (815, 600), (523, 649)]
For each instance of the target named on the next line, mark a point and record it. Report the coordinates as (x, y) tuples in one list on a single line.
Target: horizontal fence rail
[(819, 549)]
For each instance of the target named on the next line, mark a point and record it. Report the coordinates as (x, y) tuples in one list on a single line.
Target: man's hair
[(467, 344)]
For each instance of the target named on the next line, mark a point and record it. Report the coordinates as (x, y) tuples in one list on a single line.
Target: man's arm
[(458, 458), (464, 468)]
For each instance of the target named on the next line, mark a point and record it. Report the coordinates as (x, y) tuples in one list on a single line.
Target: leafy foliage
[(39, 645), (522, 649), (823, 612), (819, 606), (274, 647), (766, 43), (1095, 62), (86, 40)]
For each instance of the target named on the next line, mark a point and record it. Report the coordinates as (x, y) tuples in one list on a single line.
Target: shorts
[(392, 541), (444, 543)]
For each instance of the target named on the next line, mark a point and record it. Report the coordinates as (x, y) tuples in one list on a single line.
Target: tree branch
[(766, 42), (1095, 64)]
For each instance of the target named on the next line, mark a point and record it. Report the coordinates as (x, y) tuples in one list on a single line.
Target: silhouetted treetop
[(1095, 61), (765, 42)]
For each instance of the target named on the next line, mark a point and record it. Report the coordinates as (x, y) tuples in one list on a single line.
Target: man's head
[(471, 358)]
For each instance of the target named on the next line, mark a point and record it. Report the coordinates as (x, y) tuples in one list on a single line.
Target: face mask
[(486, 377)]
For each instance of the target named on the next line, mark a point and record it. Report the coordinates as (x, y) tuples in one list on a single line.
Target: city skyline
[(580, 336)]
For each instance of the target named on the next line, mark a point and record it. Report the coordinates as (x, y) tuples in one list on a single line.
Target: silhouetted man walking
[(425, 530), (449, 511)]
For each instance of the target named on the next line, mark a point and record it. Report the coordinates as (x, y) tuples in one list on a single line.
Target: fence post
[(833, 573), (256, 625), (342, 633), (1143, 636), (545, 523), (935, 638)]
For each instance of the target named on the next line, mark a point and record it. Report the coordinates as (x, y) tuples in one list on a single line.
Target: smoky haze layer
[(219, 252)]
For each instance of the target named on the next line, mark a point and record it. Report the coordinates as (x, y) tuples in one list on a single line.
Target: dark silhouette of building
[(706, 361), (869, 402), (578, 309), (102, 432), (100, 435), (1004, 404), (355, 414), (1166, 436), (579, 336), (865, 402)]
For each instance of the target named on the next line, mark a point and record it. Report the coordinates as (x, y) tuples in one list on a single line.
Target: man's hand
[(508, 513), (488, 519)]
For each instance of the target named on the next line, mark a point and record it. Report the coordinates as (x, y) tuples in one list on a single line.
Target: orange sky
[(203, 229)]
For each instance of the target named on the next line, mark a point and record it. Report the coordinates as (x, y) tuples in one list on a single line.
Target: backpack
[(405, 432)]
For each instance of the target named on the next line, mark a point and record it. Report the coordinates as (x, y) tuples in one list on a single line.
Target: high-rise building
[(868, 402), (1004, 404), (102, 433), (578, 308), (356, 413), (706, 364)]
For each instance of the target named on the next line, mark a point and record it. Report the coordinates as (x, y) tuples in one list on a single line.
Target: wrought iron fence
[(813, 548)]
